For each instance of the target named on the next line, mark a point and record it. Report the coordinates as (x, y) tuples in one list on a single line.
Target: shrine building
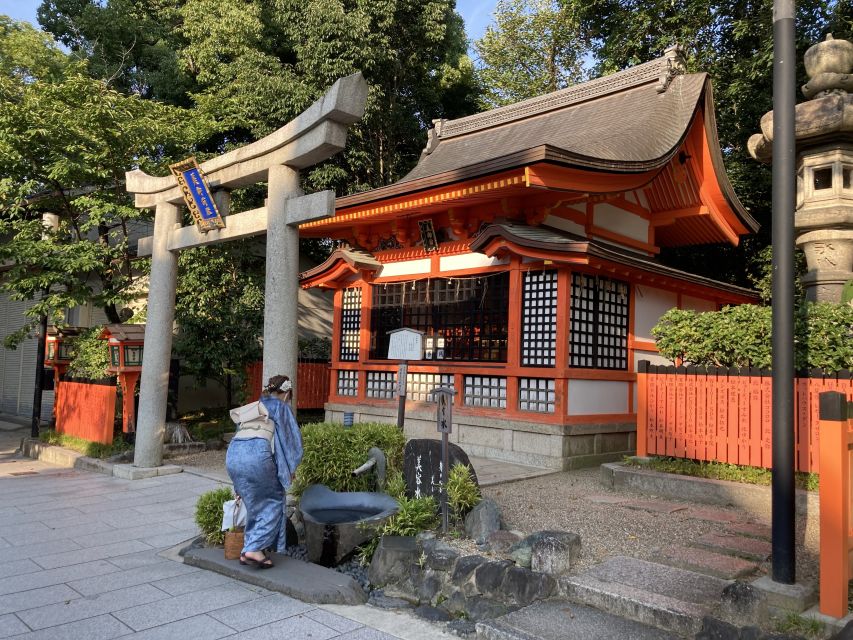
[(524, 246)]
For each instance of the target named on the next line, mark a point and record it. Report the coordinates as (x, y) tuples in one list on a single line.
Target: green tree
[(532, 48), (220, 311), (66, 140)]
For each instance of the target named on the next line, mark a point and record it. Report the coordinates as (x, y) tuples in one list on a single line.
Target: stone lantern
[(125, 343), (824, 133), (57, 348)]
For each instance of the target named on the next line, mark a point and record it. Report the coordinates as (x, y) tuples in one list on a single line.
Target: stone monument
[(824, 132), (313, 136)]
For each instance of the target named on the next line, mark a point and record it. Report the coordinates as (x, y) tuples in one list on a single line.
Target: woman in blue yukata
[(262, 460)]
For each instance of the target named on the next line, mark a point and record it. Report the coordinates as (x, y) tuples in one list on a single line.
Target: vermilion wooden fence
[(836, 431), (313, 381), (725, 414), (86, 410)]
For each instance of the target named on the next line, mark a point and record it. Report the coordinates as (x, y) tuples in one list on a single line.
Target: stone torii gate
[(315, 135)]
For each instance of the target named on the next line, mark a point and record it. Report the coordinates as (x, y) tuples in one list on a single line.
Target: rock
[(523, 586), (291, 537), (489, 576), (379, 599), (480, 608), (455, 604), (441, 557), (501, 541), (483, 520), (465, 567), (554, 552), (426, 540), (521, 552), (743, 604), (462, 628), (428, 586), (713, 629), (392, 559), (421, 466), (432, 614)]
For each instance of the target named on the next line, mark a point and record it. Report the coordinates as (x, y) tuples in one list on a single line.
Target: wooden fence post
[(834, 503), (642, 409)]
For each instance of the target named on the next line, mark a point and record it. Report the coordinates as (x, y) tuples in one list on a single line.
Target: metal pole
[(784, 203), (36, 421)]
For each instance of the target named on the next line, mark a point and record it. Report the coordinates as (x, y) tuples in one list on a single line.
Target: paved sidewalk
[(84, 555)]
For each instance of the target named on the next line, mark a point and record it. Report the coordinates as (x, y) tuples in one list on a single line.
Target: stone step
[(708, 562), (734, 544), (563, 620), (751, 530), (665, 597)]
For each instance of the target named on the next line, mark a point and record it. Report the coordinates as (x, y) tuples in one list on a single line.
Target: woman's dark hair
[(275, 383)]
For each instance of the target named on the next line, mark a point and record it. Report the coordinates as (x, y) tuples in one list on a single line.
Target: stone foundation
[(549, 446)]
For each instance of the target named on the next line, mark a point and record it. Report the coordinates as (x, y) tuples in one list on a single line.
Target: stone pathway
[(85, 555)]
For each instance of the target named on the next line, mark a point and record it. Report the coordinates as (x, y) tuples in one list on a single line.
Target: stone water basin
[(338, 522)]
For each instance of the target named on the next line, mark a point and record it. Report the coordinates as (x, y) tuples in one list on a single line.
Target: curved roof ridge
[(658, 70)]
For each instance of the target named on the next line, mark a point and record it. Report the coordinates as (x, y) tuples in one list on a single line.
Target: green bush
[(415, 515), (332, 452), (90, 356), (740, 336), (208, 513), (463, 494)]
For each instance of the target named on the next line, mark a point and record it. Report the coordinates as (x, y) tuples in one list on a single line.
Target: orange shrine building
[(524, 246)]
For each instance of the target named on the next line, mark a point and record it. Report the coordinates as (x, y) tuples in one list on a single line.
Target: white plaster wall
[(406, 268), (650, 304), (697, 304), (652, 356), (589, 397), (620, 221), (566, 225), (464, 261)]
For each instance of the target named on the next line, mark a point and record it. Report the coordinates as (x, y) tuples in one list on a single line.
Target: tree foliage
[(533, 48), (66, 140)]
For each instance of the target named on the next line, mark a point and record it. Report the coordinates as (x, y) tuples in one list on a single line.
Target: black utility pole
[(34, 429), (784, 203)]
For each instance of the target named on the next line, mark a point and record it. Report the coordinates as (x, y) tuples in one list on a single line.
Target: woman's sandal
[(266, 563)]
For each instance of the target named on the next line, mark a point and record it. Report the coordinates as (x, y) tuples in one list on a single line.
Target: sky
[(476, 13)]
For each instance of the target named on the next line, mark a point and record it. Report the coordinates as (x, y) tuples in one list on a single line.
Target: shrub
[(86, 447), (208, 513), (90, 356), (332, 452), (740, 336), (415, 515), (463, 494)]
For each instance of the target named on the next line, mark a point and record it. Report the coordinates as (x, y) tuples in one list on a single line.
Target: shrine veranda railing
[(724, 415)]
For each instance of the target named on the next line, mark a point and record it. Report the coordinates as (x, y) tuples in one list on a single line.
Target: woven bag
[(234, 537)]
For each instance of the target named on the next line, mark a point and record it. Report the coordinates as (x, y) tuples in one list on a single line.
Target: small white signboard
[(406, 344)]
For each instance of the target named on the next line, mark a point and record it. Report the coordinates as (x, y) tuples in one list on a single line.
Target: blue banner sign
[(197, 195)]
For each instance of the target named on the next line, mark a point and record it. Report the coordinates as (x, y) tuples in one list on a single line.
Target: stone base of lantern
[(825, 286)]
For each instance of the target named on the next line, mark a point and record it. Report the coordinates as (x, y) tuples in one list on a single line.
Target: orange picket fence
[(312, 378), (86, 410), (836, 528), (724, 415)]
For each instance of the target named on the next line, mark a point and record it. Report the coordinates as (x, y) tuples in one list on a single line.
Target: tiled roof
[(356, 258)]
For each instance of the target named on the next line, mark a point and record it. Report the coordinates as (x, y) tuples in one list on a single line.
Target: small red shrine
[(126, 343), (524, 246)]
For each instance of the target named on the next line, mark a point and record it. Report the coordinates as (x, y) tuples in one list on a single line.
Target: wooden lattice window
[(350, 323), (599, 323), (381, 384), (536, 394), (485, 391), (347, 383), (463, 319), (539, 319)]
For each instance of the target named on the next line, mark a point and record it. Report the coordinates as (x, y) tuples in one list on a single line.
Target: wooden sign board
[(197, 195), (406, 344)]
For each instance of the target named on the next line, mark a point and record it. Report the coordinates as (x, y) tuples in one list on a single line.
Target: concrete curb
[(62, 457), (750, 497)]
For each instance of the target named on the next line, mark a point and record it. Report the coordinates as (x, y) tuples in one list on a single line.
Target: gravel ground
[(567, 502)]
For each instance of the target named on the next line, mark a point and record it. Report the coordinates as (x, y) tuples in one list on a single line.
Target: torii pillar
[(313, 136)]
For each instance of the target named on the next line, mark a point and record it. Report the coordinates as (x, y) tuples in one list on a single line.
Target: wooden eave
[(339, 267)]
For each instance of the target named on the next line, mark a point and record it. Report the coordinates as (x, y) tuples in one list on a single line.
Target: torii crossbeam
[(315, 135)]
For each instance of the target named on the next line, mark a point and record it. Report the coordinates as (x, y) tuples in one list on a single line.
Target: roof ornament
[(828, 65), (675, 65), (433, 135)]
